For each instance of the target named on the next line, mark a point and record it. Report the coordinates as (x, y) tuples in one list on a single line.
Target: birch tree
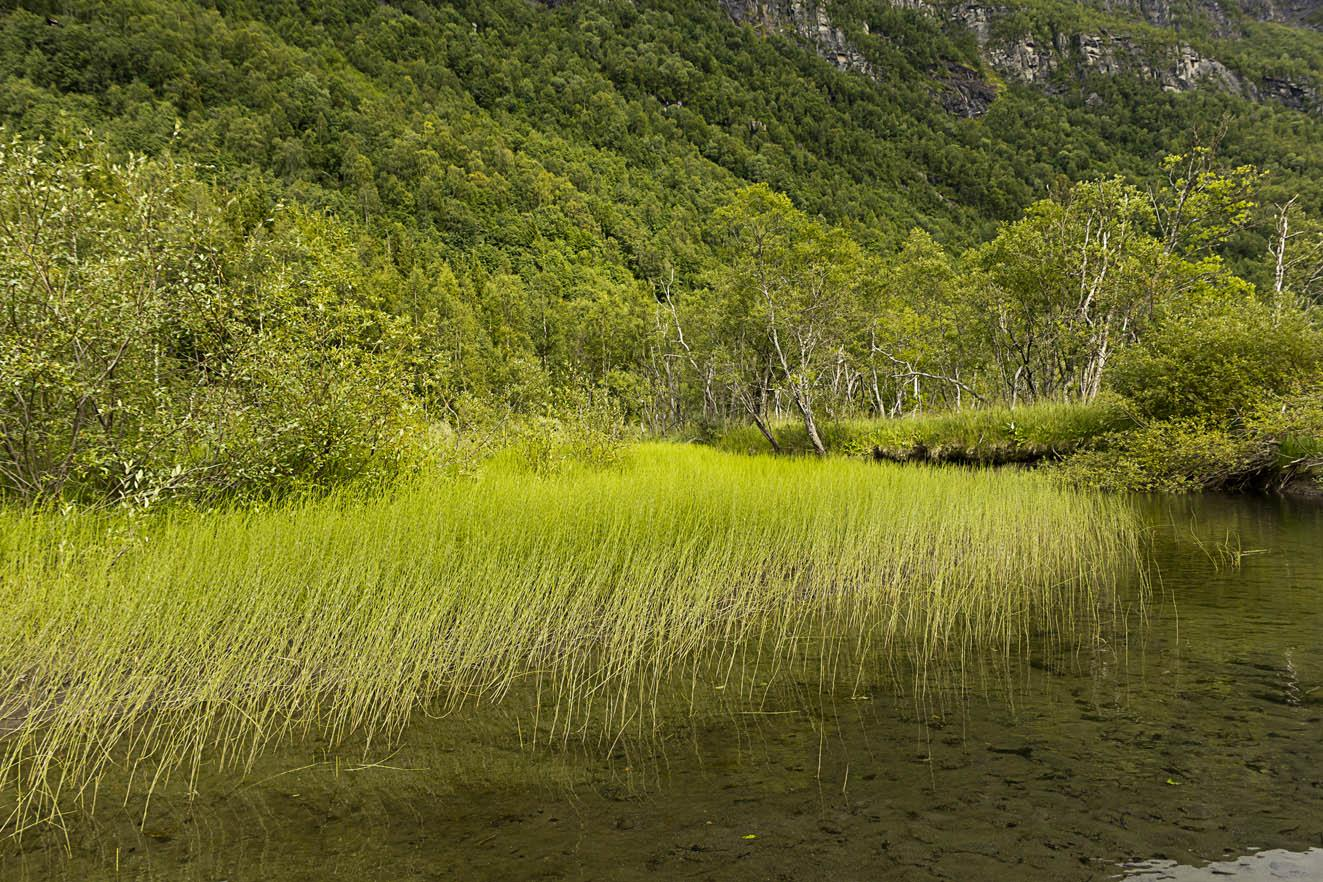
[(791, 288), (1062, 289), (1296, 251)]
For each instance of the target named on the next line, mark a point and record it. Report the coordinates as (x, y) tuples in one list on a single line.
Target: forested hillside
[(380, 110), (291, 233)]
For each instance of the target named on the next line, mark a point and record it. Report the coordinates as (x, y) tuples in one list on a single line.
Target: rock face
[(1300, 96), (1308, 13), (1177, 69), (806, 19), (965, 91), (1221, 14), (962, 90), (1034, 60), (1161, 14)]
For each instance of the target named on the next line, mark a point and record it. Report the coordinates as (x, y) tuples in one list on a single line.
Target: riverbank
[(1101, 445), (981, 436)]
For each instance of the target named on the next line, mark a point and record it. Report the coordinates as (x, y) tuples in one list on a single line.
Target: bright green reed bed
[(157, 644)]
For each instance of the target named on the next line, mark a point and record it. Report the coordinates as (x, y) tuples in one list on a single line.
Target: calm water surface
[(1186, 745)]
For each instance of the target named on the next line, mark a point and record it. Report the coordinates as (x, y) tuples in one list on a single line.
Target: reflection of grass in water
[(192, 638), (1198, 530), (790, 733), (1226, 553)]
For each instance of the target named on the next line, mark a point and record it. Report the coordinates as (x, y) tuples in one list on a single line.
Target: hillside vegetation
[(259, 246)]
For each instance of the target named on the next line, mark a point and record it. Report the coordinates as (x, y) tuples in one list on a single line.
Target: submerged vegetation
[(164, 641)]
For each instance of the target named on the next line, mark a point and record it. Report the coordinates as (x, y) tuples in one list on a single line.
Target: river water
[(1186, 744)]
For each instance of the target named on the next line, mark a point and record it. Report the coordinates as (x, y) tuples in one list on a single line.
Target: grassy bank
[(1275, 445), (985, 436), (195, 638)]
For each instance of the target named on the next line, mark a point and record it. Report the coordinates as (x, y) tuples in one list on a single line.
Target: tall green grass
[(193, 638), (985, 435)]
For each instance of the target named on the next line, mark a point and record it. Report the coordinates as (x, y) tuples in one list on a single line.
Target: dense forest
[(249, 247)]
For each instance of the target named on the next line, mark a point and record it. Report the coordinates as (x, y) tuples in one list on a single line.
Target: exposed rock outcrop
[(807, 20), (1160, 13), (1033, 60), (1300, 96), (1177, 68), (1307, 13), (1224, 17), (962, 90), (965, 91)]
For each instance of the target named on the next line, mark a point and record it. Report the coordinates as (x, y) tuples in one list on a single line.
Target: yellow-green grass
[(985, 435), (162, 643)]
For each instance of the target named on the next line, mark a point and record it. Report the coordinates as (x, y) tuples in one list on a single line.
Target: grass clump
[(994, 434), (156, 644)]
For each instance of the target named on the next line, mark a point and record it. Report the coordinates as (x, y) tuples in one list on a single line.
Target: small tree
[(1296, 252), (915, 340), (1202, 204), (1062, 289), (790, 289), (148, 348), (103, 265)]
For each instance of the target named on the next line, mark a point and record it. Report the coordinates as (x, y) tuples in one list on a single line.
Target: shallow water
[(1186, 745), (1261, 866)]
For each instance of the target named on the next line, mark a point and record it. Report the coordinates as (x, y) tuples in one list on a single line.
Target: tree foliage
[(249, 247)]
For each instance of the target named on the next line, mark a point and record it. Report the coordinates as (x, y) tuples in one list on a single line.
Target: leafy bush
[(1293, 424), (1217, 361), (1169, 455), (1226, 386), (150, 349)]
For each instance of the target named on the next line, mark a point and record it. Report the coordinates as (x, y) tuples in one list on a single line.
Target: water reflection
[(1263, 866)]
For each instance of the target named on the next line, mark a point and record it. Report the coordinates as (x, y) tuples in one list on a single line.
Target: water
[(1187, 745), (1261, 866)]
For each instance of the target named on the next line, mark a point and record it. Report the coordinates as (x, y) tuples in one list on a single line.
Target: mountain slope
[(674, 100)]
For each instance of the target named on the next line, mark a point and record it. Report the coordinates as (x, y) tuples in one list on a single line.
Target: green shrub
[(1217, 361), (1170, 455), (1293, 424), (151, 350)]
